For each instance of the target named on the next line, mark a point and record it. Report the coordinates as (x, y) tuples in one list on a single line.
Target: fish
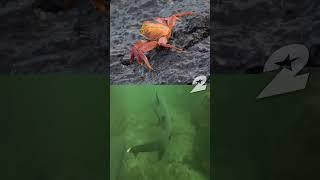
[(165, 131)]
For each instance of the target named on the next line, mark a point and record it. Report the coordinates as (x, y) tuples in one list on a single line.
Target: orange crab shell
[(155, 30)]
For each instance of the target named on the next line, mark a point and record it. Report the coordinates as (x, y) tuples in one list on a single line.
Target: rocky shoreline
[(39, 37)]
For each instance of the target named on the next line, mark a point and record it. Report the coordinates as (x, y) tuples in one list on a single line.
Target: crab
[(157, 33)]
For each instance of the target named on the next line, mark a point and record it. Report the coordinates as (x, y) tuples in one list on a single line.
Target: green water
[(272, 138), (53, 127), (133, 122)]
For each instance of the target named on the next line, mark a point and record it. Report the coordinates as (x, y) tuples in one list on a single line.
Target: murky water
[(184, 133)]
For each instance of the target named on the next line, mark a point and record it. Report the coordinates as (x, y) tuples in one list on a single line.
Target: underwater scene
[(159, 132)]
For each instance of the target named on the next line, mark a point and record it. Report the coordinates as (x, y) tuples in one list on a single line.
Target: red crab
[(157, 33)]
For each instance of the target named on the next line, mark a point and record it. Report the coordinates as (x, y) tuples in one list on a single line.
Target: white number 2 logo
[(288, 79), (200, 84)]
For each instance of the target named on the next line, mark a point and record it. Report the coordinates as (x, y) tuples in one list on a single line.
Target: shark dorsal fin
[(157, 99)]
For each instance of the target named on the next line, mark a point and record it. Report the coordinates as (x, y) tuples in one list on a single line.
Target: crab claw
[(141, 57), (184, 14), (145, 59), (134, 53)]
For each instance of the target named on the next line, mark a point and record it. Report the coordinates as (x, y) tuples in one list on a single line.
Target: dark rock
[(315, 55), (49, 5), (248, 32), (44, 38)]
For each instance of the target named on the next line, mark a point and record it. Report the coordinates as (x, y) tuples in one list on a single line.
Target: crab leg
[(148, 46), (145, 59), (172, 20), (184, 14), (164, 43), (134, 53), (139, 50)]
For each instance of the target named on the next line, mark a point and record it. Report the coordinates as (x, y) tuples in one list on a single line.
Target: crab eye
[(142, 30)]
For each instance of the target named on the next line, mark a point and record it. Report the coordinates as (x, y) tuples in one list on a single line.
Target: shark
[(164, 123)]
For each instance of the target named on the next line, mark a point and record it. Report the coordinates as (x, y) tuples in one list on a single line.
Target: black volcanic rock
[(41, 37), (248, 32)]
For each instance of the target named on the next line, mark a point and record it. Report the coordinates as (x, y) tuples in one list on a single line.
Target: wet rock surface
[(246, 33), (170, 67), (41, 37)]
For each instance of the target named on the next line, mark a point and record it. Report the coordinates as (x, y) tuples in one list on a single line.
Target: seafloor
[(187, 153)]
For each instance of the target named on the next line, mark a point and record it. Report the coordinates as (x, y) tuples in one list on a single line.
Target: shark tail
[(135, 153), (155, 146)]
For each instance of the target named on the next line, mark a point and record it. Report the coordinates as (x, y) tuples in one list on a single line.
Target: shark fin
[(157, 99)]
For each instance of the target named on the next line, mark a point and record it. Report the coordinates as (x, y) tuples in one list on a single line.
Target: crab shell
[(155, 30)]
